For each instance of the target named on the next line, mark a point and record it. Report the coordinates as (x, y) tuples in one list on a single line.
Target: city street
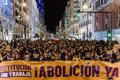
[(59, 39)]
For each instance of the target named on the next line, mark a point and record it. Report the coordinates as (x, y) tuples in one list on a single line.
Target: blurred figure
[(26, 57)]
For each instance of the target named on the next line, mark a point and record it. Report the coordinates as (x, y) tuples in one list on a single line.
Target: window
[(42, 1), (0, 22), (90, 14), (106, 26), (97, 4), (97, 29), (93, 8), (101, 2), (105, 1), (90, 4), (76, 30), (96, 19), (84, 24), (16, 13), (76, 2), (90, 21), (20, 8), (82, 16)]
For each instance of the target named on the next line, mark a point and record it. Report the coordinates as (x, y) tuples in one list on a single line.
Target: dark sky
[(54, 10)]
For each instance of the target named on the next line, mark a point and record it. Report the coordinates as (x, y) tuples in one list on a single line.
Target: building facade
[(92, 19), (22, 19), (6, 19), (75, 18), (79, 25), (29, 18), (40, 6), (105, 21), (71, 19), (34, 19), (86, 20)]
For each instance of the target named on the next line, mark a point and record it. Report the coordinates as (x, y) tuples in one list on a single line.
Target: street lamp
[(78, 13), (72, 19), (24, 5), (85, 8)]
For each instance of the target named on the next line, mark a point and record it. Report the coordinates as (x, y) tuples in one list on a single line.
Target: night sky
[(54, 10)]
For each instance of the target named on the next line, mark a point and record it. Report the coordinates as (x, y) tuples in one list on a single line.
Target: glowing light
[(72, 19), (85, 7), (24, 4), (18, 16)]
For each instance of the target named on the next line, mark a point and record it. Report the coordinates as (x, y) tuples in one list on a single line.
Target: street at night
[(59, 39)]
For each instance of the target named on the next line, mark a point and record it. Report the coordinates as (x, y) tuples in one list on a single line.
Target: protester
[(51, 50)]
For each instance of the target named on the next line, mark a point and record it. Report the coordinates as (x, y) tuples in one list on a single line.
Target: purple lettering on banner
[(42, 72), (36, 73), (115, 72), (58, 71), (71, 70), (82, 70), (95, 71), (108, 70), (64, 72), (75, 70), (13, 68), (50, 71), (88, 71)]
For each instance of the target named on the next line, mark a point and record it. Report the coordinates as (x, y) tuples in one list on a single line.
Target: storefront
[(103, 35), (116, 35)]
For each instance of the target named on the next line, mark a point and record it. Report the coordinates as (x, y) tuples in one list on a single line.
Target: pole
[(14, 14), (25, 32), (99, 12), (87, 26), (111, 31), (2, 30)]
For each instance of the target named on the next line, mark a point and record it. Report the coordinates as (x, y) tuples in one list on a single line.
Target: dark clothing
[(62, 57), (87, 58), (36, 59)]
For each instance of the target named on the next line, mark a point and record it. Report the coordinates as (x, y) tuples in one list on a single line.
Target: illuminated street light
[(24, 4), (85, 7), (18, 16), (78, 13), (72, 19)]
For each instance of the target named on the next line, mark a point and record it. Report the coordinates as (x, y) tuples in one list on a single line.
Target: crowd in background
[(51, 50)]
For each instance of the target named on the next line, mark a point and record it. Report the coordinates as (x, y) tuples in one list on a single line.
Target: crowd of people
[(51, 50)]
